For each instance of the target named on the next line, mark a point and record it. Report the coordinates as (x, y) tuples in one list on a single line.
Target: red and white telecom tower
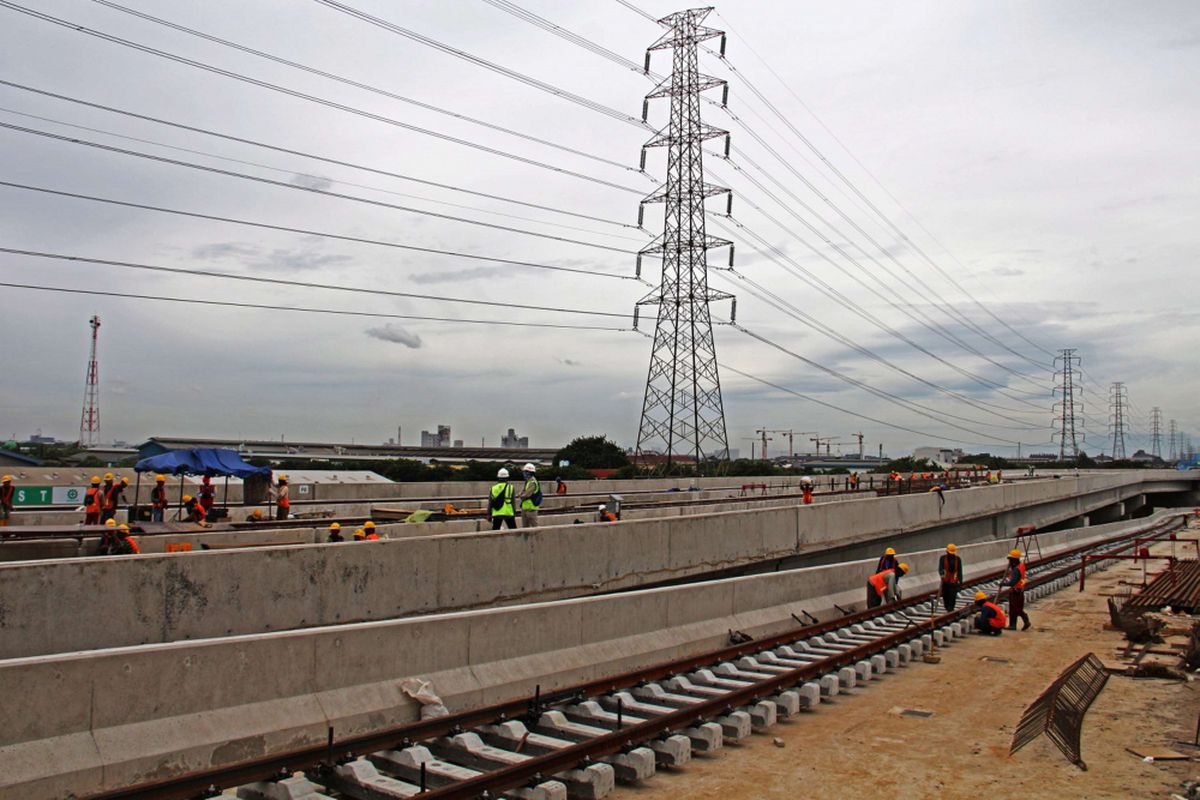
[(89, 423)]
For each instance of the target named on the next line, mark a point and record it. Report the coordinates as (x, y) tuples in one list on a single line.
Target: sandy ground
[(859, 747)]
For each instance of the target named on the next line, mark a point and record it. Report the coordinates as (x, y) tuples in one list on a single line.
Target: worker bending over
[(950, 569), (125, 545), (530, 497), (500, 502), (990, 620), (192, 511), (158, 498), (884, 587), (1014, 581), (6, 499)]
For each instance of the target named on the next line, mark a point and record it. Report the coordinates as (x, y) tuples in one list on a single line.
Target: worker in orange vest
[(158, 499), (192, 510), (1014, 581), (806, 489), (990, 620), (883, 587), (6, 499), (92, 502), (125, 546), (283, 502), (113, 492), (950, 569), (369, 529), (207, 493)]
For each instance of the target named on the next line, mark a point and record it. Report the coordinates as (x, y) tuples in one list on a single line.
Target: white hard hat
[(529, 468), (806, 480), (602, 507), (503, 473)]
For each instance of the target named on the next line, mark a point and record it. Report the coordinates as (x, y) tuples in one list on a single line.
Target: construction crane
[(817, 440), (791, 437), (859, 436), (763, 433)]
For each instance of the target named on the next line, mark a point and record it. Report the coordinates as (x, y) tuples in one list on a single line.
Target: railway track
[(582, 741)]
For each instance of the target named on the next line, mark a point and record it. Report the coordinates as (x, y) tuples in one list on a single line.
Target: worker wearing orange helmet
[(158, 498), (207, 493), (1014, 581), (6, 499)]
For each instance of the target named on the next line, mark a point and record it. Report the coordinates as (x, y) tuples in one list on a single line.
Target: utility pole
[(682, 411), (89, 421), (1173, 439), (1068, 405), (763, 433), (1118, 400), (1156, 432)]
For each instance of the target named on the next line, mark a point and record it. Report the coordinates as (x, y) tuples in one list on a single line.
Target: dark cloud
[(311, 182), (288, 260), (222, 250), (569, 362), (457, 275), (394, 333)]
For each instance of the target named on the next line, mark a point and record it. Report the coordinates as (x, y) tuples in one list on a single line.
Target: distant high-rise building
[(439, 439), (458, 443), (511, 439)]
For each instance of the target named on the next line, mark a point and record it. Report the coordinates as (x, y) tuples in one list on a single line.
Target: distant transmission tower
[(1118, 401), (1173, 440), (89, 422), (1068, 405), (1156, 432), (682, 413)]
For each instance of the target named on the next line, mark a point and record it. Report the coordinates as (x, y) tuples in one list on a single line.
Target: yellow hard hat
[(125, 480), (980, 596), (951, 549), (123, 527), (889, 552), (95, 479), (187, 498), (160, 478), (6, 479), (1014, 553), (283, 478), (335, 527), (369, 525), (257, 513), (360, 534), (108, 476), (904, 568), (111, 523)]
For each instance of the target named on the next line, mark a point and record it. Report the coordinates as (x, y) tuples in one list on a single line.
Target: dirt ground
[(859, 746)]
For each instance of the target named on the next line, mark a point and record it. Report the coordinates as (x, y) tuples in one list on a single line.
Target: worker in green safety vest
[(531, 497), (500, 502)]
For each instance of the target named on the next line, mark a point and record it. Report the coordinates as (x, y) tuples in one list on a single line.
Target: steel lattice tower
[(1156, 432), (1173, 439), (1118, 400), (682, 413), (89, 421), (1068, 404)]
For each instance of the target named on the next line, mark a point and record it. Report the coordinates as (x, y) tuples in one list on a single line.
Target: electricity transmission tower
[(89, 421), (1156, 432), (1173, 440), (1118, 400), (682, 412), (1068, 404)]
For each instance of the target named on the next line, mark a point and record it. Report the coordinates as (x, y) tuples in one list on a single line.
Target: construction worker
[(604, 515), (887, 560), (950, 570), (192, 510), (560, 487), (6, 499), (124, 545), (530, 497), (500, 502), (255, 516), (360, 535), (335, 533), (369, 530), (1014, 581), (283, 502), (937, 489), (92, 502), (854, 481), (806, 490), (884, 587), (990, 620), (105, 490), (207, 493), (158, 498), (113, 498), (108, 537)]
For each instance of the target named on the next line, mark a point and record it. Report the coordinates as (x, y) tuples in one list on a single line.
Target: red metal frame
[(1143, 557)]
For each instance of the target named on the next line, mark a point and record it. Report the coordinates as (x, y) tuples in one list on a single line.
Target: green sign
[(33, 495)]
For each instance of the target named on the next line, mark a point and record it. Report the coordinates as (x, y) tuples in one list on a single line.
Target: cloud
[(310, 181), (1183, 42), (569, 362), (394, 333), (1007, 272), (452, 276), (287, 260), (220, 250)]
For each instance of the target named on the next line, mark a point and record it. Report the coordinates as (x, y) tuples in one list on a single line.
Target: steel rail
[(318, 757)]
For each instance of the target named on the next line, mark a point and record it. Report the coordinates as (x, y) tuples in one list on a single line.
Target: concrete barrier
[(88, 722), (51, 606)]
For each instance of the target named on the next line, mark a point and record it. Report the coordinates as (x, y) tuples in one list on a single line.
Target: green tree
[(592, 452)]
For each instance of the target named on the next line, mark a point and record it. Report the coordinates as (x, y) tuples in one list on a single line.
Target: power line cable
[(310, 189), (310, 98), (637, 10), (309, 232), (303, 284), (304, 154)]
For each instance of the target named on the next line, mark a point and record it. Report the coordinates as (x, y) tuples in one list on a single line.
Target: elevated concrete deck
[(190, 705), (51, 606)]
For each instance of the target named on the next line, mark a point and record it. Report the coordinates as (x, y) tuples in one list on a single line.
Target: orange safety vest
[(133, 546), (949, 573), (807, 492), (372, 535), (999, 620), (283, 501), (879, 581), (92, 496), (158, 497), (1021, 583)]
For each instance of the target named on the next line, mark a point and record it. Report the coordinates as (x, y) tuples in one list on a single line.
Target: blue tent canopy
[(207, 461)]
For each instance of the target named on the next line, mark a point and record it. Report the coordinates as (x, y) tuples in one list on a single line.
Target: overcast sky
[(1043, 154)]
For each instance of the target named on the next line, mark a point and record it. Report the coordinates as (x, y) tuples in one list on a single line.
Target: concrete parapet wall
[(186, 706), (51, 606)]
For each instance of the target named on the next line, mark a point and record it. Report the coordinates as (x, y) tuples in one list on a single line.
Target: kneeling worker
[(883, 587), (990, 620), (192, 511), (125, 546)]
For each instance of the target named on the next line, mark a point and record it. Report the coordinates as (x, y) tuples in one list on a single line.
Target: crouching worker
[(990, 620), (883, 587), (193, 511)]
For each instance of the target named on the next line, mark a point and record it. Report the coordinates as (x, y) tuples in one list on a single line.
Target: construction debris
[(1137, 626), (1058, 711)]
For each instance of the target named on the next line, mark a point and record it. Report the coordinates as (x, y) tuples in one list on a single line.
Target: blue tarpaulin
[(207, 461)]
